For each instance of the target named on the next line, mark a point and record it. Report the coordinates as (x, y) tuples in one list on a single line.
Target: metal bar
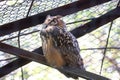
[(2, 0), (96, 23), (39, 30), (39, 18), (101, 48), (22, 53), (16, 64), (8, 59), (84, 74), (13, 66), (40, 58)]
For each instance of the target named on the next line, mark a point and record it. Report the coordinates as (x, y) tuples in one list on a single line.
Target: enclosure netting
[(92, 45)]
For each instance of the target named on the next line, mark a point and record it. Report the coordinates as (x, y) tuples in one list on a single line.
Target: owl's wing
[(69, 48), (72, 52)]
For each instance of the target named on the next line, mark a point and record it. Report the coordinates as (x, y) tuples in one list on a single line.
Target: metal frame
[(37, 55), (39, 18), (96, 23), (40, 58)]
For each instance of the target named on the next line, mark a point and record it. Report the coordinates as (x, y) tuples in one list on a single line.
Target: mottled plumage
[(59, 46)]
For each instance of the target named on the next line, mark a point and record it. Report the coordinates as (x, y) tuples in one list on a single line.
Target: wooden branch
[(39, 18), (96, 23), (40, 58)]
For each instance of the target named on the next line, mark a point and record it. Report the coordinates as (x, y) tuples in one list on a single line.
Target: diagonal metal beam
[(40, 58), (17, 63), (96, 23), (39, 18), (26, 58), (13, 66), (113, 14), (22, 53)]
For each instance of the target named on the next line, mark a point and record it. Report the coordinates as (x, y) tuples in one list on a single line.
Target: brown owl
[(59, 46)]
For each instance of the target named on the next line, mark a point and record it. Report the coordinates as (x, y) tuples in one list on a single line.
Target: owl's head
[(55, 21), (54, 25)]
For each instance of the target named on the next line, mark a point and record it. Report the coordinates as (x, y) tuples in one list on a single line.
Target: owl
[(59, 46)]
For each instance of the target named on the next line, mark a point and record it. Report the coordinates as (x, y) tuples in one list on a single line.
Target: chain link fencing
[(93, 45)]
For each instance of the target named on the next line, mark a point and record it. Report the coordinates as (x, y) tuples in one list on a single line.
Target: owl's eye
[(55, 21), (49, 20)]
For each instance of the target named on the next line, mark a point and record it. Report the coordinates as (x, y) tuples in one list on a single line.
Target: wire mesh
[(92, 45), (5, 58)]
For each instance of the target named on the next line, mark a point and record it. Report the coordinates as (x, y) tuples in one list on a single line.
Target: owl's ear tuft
[(59, 17)]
